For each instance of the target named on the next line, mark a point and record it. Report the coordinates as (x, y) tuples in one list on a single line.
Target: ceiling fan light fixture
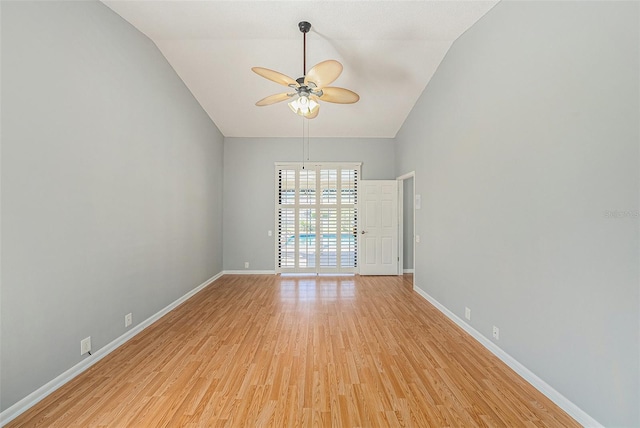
[(303, 105)]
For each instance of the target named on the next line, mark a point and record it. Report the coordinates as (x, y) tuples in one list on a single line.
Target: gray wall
[(407, 222), (249, 180), (523, 144), (111, 186)]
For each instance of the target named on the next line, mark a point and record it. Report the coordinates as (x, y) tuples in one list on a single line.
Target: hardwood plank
[(265, 350)]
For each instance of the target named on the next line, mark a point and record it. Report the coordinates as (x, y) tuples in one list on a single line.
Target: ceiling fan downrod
[(304, 27)]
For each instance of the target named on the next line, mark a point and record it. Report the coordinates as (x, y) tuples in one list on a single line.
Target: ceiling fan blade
[(333, 94), (323, 73), (272, 99), (313, 114), (274, 76)]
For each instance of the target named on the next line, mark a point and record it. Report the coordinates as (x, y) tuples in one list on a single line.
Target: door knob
[(363, 232)]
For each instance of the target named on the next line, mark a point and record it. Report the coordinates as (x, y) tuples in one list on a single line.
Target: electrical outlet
[(417, 238), (85, 345), (467, 313), (128, 319), (496, 333), (269, 233), (246, 265)]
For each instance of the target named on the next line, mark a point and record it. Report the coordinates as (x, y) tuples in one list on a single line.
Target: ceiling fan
[(311, 87)]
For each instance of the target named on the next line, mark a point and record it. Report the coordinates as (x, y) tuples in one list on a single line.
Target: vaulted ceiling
[(389, 50)]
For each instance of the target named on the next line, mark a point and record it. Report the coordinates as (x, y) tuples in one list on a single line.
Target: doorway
[(407, 207)]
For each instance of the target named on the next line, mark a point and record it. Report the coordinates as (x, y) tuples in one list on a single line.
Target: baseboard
[(39, 394), (560, 400), (407, 271), (248, 272)]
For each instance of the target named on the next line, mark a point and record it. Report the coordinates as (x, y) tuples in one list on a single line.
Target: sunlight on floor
[(306, 289)]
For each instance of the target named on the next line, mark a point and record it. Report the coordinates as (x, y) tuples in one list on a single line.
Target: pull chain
[(303, 143), (308, 157), (308, 141)]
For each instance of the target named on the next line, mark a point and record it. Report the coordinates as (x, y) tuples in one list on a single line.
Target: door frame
[(401, 179)]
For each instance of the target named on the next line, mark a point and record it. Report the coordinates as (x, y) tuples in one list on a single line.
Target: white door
[(378, 208)]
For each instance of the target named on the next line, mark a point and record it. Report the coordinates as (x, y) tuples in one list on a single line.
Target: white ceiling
[(389, 50)]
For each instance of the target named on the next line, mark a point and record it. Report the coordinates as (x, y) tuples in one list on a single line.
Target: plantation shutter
[(316, 215)]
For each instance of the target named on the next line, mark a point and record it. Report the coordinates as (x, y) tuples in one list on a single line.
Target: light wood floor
[(265, 350)]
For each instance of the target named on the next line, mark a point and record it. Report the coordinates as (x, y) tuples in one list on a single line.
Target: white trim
[(248, 272), (407, 175), (407, 271), (320, 163), (564, 403), (39, 394)]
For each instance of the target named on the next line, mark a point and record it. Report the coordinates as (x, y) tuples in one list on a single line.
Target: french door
[(316, 216)]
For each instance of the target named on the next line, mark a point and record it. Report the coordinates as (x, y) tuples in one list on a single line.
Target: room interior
[(136, 169)]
